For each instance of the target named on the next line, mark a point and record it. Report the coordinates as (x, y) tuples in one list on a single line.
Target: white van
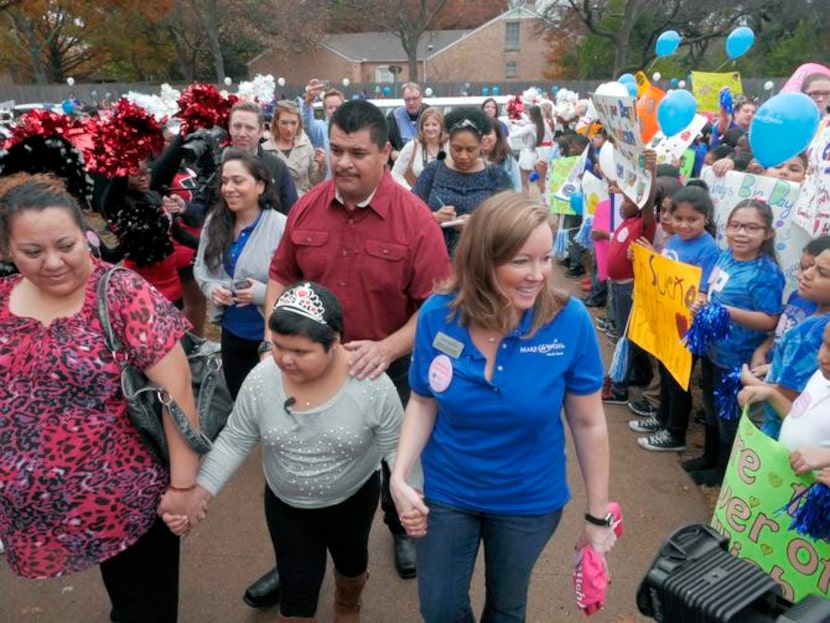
[(444, 104)]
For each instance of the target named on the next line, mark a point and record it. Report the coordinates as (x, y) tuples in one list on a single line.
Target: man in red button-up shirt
[(378, 248)]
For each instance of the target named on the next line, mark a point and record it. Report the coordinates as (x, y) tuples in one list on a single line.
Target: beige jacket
[(304, 170)]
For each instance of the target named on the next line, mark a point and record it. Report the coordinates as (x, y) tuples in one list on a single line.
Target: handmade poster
[(660, 318), (571, 182), (759, 482), (594, 190), (671, 149), (687, 164), (706, 86), (780, 195), (559, 171), (618, 116), (812, 210)]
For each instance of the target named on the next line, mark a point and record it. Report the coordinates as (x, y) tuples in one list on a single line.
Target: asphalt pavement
[(231, 548)]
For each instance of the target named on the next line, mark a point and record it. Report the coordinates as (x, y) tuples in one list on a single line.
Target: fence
[(96, 92)]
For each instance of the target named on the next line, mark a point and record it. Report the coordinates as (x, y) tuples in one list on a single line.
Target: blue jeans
[(447, 555)]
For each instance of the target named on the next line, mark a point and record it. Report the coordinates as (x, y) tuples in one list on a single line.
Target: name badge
[(447, 345)]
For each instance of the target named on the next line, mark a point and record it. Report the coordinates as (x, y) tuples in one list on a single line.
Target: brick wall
[(482, 57)]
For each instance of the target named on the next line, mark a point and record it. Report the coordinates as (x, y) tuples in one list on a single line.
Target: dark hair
[(817, 245), (35, 194), (742, 160), (535, 114), (486, 101), (696, 181), (722, 151), (768, 246), (286, 322), (700, 200), (220, 227), (577, 142), (565, 146), (356, 115), (246, 106), (501, 150), (467, 119), (667, 170), (667, 186), (731, 137)]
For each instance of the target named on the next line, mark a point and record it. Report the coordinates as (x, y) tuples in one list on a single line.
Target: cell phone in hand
[(242, 284)]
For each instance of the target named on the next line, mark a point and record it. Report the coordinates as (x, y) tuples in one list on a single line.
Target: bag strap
[(197, 440)]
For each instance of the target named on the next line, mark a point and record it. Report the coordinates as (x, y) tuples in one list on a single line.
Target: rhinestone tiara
[(303, 300)]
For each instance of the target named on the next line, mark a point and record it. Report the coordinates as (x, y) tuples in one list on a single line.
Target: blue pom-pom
[(810, 511), (561, 243), (619, 361), (534, 176), (583, 236), (726, 394), (711, 324)]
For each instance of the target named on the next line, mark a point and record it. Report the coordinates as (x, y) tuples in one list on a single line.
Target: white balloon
[(657, 75), (607, 163), (228, 81), (281, 81), (70, 81), (346, 82), (613, 89), (768, 85), (428, 91), (682, 84)]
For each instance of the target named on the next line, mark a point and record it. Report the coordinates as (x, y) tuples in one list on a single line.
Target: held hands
[(411, 508), (181, 510), (368, 358)]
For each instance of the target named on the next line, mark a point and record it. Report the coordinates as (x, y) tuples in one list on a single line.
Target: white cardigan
[(412, 155)]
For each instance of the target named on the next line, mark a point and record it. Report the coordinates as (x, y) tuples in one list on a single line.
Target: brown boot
[(284, 619), (347, 597)]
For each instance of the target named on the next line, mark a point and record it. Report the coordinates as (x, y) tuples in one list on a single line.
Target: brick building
[(507, 48)]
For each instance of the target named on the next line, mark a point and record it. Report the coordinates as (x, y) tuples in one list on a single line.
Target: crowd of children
[(771, 343)]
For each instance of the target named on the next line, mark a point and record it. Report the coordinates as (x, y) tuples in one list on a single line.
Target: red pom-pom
[(202, 106), (43, 123), (515, 107), (120, 143)]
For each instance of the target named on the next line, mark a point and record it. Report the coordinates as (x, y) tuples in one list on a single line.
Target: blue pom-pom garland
[(561, 243), (810, 511), (618, 370), (726, 394), (711, 324), (583, 236)]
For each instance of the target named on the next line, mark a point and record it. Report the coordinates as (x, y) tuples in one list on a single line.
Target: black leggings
[(239, 357), (675, 404), (301, 537), (143, 580)]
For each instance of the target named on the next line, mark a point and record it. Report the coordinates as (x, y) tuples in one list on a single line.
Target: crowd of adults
[(384, 294)]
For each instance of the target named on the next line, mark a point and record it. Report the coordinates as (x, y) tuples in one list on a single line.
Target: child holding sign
[(692, 243), (749, 284)]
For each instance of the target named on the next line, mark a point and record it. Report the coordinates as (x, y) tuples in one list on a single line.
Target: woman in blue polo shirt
[(498, 353)]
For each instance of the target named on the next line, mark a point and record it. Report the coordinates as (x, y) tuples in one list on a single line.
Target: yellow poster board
[(706, 86), (660, 317)]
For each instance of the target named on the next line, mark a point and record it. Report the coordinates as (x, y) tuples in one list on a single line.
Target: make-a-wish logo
[(551, 349)]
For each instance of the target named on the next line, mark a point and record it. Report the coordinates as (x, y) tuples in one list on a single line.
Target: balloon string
[(648, 69), (723, 64)]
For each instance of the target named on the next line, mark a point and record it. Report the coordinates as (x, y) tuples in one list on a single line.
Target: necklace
[(492, 340)]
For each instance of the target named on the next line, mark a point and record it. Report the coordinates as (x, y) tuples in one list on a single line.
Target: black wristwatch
[(605, 522), (264, 347)]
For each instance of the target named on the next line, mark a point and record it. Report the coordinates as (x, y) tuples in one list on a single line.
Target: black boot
[(265, 592), (713, 477), (709, 458), (404, 556)]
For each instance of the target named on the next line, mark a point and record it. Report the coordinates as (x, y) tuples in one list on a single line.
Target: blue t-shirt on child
[(752, 285), (795, 311), (794, 362), (498, 446), (701, 251)]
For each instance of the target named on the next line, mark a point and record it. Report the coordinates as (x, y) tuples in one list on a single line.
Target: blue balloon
[(496, 90), (673, 83), (676, 111), (485, 91), (576, 200), (387, 91), (739, 42), (632, 88), (782, 128), (626, 78), (667, 43), (68, 107)]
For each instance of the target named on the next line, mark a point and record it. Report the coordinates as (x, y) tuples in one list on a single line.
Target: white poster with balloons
[(670, 149), (812, 210), (618, 116)]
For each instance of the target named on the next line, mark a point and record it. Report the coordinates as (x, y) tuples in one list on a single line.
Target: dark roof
[(385, 46)]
